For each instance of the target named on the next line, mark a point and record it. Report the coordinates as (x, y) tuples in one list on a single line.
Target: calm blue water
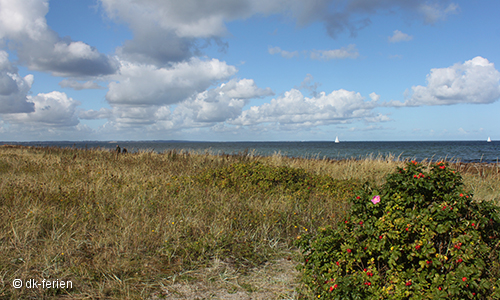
[(465, 151)]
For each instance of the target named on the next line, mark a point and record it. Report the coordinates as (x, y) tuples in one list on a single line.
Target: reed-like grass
[(150, 225)]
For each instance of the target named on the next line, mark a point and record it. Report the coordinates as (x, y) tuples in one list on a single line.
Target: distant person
[(118, 149), (124, 150)]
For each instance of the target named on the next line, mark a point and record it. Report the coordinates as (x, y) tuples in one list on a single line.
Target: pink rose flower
[(376, 199)]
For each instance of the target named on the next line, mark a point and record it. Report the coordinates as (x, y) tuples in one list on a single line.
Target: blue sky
[(249, 70)]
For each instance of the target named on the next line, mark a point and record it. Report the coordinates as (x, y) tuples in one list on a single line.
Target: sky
[(249, 70)]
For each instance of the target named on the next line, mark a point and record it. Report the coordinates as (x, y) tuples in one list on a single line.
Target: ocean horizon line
[(249, 141), (466, 151)]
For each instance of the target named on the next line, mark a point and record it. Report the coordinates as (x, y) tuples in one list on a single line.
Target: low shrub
[(418, 236), (255, 177)]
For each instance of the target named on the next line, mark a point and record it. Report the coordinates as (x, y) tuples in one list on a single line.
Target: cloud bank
[(340, 106), (23, 25), (53, 109), (13, 88), (475, 81), (143, 84), (167, 31), (160, 81)]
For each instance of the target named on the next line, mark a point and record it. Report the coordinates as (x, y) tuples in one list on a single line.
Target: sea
[(461, 151)]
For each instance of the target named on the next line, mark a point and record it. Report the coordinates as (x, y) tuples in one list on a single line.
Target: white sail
[(337, 140), (489, 140)]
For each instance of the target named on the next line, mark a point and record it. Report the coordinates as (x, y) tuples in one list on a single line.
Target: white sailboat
[(337, 140), (489, 140)]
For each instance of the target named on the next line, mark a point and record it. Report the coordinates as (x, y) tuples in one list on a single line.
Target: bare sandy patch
[(276, 279)]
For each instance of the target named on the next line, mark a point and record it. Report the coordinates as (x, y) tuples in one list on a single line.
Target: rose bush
[(418, 236)]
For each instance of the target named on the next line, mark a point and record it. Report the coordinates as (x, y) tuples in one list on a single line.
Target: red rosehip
[(380, 237), (364, 270), (358, 197), (331, 288), (429, 262), (338, 264), (464, 278), (461, 195), (473, 224), (407, 229), (439, 288), (459, 260), (417, 247), (408, 283), (349, 250), (360, 222)]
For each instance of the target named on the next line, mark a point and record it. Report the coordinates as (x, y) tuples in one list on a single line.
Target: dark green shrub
[(254, 176), (419, 236)]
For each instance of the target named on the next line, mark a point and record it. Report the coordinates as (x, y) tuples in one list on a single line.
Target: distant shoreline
[(188, 141), (456, 164)]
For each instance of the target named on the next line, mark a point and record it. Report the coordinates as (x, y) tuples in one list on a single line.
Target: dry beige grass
[(141, 226), (277, 279)]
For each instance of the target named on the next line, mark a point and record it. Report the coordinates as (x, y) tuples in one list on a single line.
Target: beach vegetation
[(418, 236), (177, 223)]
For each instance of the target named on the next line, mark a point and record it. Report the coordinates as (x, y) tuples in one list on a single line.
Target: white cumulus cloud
[(54, 109), (474, 81), (202, 109), (222, 103), (340, 106), (143, 84)]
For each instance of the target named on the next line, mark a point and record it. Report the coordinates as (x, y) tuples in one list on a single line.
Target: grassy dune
[(175, 225)]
